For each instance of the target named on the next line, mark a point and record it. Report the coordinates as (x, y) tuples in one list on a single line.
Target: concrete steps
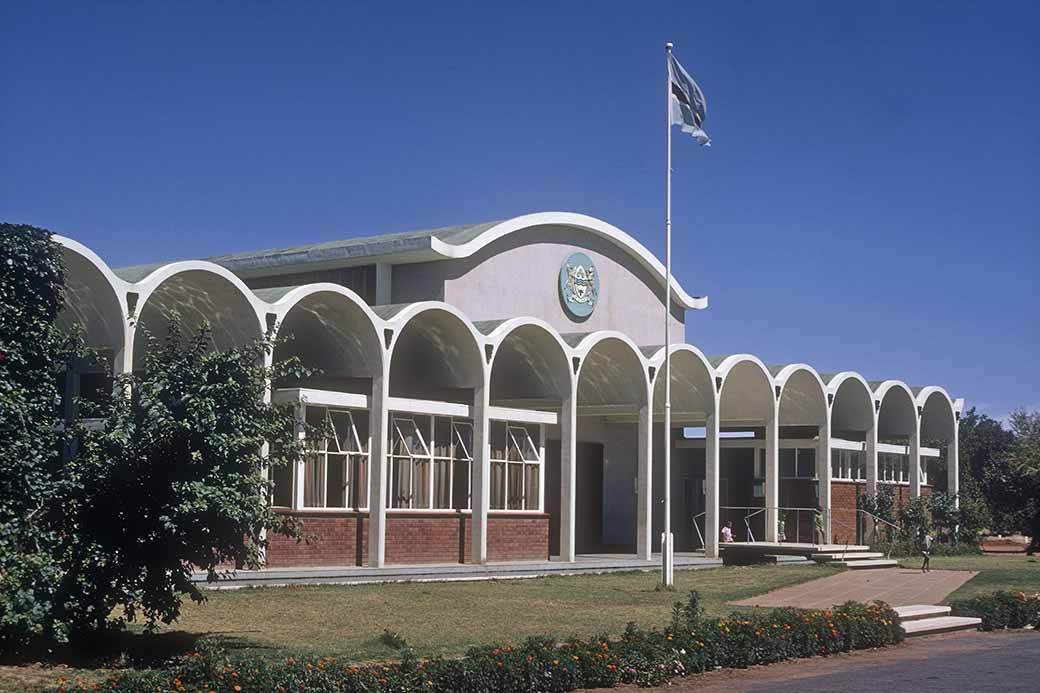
[(854, 563), (842, 555), (925, 619), (854, 558)]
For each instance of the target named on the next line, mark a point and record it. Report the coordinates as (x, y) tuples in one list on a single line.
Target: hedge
[(1000, 610), (689, 645)]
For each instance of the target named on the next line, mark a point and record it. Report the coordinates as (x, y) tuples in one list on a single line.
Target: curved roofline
[(119, 286), (656, 359), (886, 386), (836, 380), (292, 297), (630, 245), (503, 330), (926, 392), (727, 364), (785, 374), (412, 310)]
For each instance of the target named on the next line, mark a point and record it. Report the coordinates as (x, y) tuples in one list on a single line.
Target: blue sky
[(870, 202)]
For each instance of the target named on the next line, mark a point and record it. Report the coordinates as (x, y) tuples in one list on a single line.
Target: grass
[(374, 622), (446, 618), (995, 572)]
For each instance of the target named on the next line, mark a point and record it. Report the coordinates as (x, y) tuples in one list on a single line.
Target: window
[(516, 466), (797, 463), (429, 461), (335, 468), (893, 467), (848, 465)]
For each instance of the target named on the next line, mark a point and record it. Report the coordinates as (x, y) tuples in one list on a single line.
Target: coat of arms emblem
[(579, 285)]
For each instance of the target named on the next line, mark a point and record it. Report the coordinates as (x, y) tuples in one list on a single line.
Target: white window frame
[(537, 448), (322, 450), (430, 457)]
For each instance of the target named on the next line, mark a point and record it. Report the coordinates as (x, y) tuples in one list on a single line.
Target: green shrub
[(1001, 610), (691, 645)]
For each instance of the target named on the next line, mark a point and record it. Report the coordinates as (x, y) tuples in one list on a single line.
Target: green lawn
[(347, 621), (995, 572), (446, 618)]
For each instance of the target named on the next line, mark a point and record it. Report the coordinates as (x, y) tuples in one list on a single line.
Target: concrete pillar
[(301, 434), (568, 473), (953, 479), (265, 447), (772, 500), (823, 476), (378, 473), (481, 479), (711, 486), (913, 449), (870, 458), (644, 498)]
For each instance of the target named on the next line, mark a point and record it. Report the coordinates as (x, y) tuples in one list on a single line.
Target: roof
[(444, 243)]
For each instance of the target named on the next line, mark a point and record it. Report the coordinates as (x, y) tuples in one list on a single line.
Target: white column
[(823, 476), (568, 473), (870, 457), (481, 480), (914, 452), (378, 475), (265, 447), (772, 499), (953, 479), (645, 488), (711, 486), (298, 476)]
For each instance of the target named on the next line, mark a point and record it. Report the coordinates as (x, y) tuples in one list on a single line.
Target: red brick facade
[(844, 501), (411, 538)]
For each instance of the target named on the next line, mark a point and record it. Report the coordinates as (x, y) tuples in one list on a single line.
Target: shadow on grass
[(129, 649)]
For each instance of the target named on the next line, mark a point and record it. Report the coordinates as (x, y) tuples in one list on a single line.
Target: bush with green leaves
[(32, 483), (1000, 610), (172, 482), (690, 645)]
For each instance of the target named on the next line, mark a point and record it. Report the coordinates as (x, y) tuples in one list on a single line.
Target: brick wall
[(844, 498), (329, 540), (411, 538)]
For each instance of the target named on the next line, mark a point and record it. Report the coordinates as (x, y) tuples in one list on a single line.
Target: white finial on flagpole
[(668, 46)]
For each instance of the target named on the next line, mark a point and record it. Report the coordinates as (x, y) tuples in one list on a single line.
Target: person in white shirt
[(727, 533)]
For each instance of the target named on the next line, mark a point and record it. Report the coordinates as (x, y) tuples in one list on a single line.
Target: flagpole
[(666, 548)]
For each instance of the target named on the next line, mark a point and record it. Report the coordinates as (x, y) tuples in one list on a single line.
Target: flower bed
[(1001, 610), (691, 644)]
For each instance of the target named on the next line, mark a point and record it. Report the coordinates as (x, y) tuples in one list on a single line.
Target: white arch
[(634, 248), (835, 385), (147, 287), (117, 289), (930, 429), (886, 424), (501, 333), (371, 323), (410, 313), (656, 361), (788, 373)]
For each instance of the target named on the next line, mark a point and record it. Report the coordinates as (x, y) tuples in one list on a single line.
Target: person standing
[(925, 546), (821, 531), (727, 533)]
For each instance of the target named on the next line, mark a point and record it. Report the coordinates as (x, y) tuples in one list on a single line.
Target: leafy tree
[(32, 352), (981, 441), (172, 482), (1024, 474), (175, 481)]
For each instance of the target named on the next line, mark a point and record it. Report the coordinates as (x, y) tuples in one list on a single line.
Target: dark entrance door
[(588, 520)]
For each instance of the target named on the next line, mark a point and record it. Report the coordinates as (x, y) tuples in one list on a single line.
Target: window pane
[(336, 482), (420, 483), (836, 463), (314, 481), (806, 463), (461, 485), (521, 447), (442, 484), (345, 436), (516, 487), (532, 492), (400, 484), (359, 488), (442, 436), (361, 426), (282, 476), (315, 417), (787, 466), (410, 440), (498, 440), (498, 485), (463, 449)]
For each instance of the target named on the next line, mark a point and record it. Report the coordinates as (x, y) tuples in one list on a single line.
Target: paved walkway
[(1008, 662), (895, 586)]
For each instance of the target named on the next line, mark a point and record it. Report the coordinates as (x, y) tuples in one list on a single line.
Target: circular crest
[(579, 285)]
